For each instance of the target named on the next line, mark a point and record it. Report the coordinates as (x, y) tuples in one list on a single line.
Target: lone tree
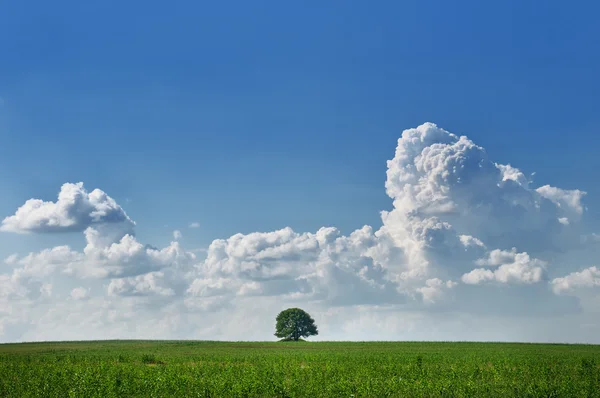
[(294, 323)]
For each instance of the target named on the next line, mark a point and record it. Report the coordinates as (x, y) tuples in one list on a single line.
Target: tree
[(294, 323)]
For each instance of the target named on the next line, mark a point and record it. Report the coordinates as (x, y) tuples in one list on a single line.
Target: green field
[(301, 369)]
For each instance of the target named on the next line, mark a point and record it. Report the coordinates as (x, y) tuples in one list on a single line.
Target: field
[(301, 369)]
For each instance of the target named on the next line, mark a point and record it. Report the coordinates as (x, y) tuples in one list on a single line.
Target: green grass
[(288, 369)]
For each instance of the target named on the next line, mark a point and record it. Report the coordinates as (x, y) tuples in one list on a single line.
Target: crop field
[(297, 369)]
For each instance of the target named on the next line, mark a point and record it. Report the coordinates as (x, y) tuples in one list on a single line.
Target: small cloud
[(468, 241), (46, 290), (177, 234), (12, 259), (80, 293), (195, 225)]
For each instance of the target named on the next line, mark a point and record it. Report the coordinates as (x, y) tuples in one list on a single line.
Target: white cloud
[(46, 262), (469, 241), (12, 259), (153, 283), (587, 278), (46, 290), (498, 257), (194, 225), (434, 289), (513, 174), (80, 293), (263, 255), (567, 199), (321, 266), (450, 180), (177, 235), (125, 258), (478, 275), (75, 210), (453, 209), (210, 287), (10, 289), (513, 267)]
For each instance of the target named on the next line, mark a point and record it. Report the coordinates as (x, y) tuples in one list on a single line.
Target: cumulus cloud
[(75, 210), (101, 259), (460, 225), (436, 174), (267, 255), (513, 267), (587, 278), (434, 288), (570, 200), (153, 283)]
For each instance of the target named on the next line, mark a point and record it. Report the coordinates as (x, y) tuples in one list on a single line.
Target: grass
[(225, 369)]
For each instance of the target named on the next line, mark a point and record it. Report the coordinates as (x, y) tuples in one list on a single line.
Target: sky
[(416, 170)]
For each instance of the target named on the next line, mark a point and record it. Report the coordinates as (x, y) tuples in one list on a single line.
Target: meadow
[(298, 369)]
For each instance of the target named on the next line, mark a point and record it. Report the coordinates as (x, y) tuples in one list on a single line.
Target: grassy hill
[(307, 369)]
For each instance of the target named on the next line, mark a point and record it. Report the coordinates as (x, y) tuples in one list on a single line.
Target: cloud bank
[(469, 250)]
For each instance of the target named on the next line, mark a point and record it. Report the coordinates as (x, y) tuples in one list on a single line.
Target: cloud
[(513, 267), (468, 242), (439, 176), (177, 235), (10, 289), (281, 253), (570, 200), (12, 259), (153, 283), (434, 288), (324, 266), (80, 293), (46, 290), (499, 257), (75, 210), (124, 258), (587, 278), (194, 225)]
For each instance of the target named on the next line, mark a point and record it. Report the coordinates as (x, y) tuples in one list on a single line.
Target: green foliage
[(294, 323), (150, 359), (312, 369)]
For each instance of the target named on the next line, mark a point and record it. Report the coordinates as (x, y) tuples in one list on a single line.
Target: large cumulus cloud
[(465, 237), (436, 175)]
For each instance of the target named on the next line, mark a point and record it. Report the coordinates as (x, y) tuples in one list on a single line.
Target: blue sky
[(255, 116)]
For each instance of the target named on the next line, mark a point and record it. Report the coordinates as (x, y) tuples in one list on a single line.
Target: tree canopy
[(294, 323)]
